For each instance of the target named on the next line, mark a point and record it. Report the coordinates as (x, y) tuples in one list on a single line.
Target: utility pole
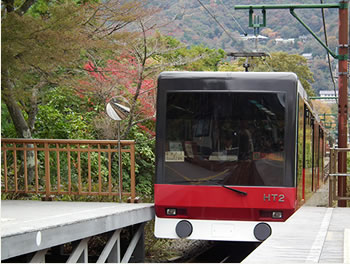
[(343, 98), (342, 56)]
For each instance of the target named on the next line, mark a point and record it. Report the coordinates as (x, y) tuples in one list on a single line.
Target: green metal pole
[(320, 97), (312, 33)]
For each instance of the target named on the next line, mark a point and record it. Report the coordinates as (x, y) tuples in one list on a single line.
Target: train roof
[(258, 76), (283, 81), (228, 75), (236, 80)]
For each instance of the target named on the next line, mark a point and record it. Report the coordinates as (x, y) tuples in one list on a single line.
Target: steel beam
[(39, 256), (133, 244), (108, 252), (80, 253)]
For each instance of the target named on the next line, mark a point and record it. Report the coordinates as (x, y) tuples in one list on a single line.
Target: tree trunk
[(21, 126)]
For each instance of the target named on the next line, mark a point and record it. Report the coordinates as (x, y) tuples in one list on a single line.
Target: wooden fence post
[(47, 171), (132, 171)]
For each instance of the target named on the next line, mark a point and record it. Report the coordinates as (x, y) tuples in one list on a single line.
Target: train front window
[(225, 138)]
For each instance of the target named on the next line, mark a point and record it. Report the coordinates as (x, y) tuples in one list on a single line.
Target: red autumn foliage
[(120, 76)]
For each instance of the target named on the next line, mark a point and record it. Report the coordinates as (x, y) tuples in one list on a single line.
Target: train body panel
[(233, 147), (217, 202)]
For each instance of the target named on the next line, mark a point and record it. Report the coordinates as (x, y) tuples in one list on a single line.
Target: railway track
[(219, 252), (226, 252)]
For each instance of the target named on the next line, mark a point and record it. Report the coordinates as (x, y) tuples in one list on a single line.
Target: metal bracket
[(248, 54), (343, 74), (291, 8), (254, 21), (342, 56), (343, 5)]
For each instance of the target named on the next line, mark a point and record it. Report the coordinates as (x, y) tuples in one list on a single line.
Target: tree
[(277, 62), (283, 62), (65, 115), (34, 49), (327, 116), (269, 32), (43, 46)]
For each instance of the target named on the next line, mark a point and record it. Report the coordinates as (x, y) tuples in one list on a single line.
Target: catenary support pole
[(343, 98)]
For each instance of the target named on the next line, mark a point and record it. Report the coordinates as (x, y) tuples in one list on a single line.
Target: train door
[(308, 158), (322, 153), (316, 157), (301, 153)]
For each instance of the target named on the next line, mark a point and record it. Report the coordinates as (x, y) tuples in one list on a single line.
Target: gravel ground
[(188, 249), (320, 198)]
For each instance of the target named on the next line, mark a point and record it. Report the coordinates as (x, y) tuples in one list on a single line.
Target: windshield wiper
[(235, 190)]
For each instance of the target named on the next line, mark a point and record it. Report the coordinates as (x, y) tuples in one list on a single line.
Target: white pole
[(119, 167)]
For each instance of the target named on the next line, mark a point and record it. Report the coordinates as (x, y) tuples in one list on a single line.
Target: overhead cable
[(234, 19), (329, 59), (223, 28)]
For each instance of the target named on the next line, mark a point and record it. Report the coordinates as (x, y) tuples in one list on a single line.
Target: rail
[(67, 167), (334, 174)]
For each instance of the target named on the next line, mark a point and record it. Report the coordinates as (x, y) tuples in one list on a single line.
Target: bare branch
[(25, 6), (143, 120)]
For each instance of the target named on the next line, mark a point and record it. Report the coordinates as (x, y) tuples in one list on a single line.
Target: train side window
[(308, 153), (301, 150)]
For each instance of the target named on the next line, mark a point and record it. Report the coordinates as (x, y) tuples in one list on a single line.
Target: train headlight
[(171, 211), (277, 215)]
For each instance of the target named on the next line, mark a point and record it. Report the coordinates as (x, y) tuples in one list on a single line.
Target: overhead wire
[(234, 19), (328, 57), (244, 32), (223, 28)]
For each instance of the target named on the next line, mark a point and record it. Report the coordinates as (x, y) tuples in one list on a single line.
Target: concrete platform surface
[(311, 235), (28, 226)]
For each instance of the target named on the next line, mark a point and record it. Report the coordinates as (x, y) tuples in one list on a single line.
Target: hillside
[(192, 24)]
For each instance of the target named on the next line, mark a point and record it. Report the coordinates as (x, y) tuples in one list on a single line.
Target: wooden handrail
[(64, 166), (64, 141)]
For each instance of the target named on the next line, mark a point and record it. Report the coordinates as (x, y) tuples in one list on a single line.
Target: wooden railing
[(67, 167), (334, 174)]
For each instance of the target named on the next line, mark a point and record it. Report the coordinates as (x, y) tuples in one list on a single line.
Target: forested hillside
[(191, 23)]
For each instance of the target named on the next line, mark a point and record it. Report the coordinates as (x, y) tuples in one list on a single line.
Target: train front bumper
[(249, 231)]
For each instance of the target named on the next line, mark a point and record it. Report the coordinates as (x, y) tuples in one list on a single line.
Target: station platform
[(31, 226), (311, 235)]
